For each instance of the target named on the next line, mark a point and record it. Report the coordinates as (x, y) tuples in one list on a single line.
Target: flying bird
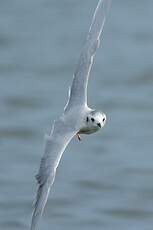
[(78, 118)]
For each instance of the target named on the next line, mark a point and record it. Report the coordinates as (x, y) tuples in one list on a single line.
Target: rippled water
[(106, 181)]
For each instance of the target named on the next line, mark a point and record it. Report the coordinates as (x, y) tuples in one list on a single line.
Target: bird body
[(77, 117)]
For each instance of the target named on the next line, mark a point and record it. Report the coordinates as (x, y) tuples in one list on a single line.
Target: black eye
[(87, 119), (103, 119), (92, 119)]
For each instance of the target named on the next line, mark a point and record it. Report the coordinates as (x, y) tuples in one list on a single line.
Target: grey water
[(106, 180)]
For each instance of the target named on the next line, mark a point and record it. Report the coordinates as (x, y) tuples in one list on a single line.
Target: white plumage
[(77, 118)]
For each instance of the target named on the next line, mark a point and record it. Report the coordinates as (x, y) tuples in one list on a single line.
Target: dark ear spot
[(87, 119), (92, 119)]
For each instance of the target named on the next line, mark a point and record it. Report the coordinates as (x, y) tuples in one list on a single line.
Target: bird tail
[(41, 199)]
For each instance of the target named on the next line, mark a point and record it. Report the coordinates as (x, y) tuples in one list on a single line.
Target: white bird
[(77, 117)]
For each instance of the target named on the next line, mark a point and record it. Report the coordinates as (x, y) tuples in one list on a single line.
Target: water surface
[(104, 182)]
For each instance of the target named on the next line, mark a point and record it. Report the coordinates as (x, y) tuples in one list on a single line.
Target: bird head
[(95, 119)]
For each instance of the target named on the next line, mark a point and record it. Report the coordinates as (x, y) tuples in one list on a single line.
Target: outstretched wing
[(55, 144), (78, 91)]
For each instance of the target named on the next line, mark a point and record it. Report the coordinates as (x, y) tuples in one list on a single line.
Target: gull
[(78, 118)]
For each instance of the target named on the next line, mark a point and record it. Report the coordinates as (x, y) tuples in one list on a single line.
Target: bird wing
[(78, 90), (55, 144)]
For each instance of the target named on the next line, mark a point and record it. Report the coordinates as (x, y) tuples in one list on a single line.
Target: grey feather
[(55, 145), (78, 92)]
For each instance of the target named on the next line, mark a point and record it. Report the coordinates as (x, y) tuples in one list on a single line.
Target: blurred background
[(105, 181)]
